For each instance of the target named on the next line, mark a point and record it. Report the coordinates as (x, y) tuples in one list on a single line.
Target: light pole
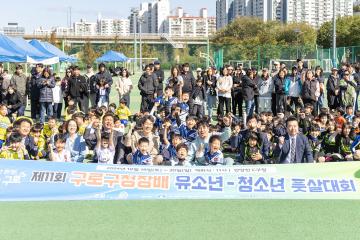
[(334, 35), (135, 12), (141, 21)]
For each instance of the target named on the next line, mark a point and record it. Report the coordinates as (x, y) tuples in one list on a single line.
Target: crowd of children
[(172, 128)]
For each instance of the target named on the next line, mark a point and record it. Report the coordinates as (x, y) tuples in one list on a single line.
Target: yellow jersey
[(123, 113), (11, 154), (4, 124)]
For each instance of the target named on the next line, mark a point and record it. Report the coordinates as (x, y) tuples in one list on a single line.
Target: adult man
[(202, 140), (91, 81), (333, 90), (19, 80), (147, 85), (160, 77), (103, 74), (188, 79), (294, 147), (34, 90), (78, 90)]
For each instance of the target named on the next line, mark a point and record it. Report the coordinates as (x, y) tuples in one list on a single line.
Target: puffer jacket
[(46, 94)]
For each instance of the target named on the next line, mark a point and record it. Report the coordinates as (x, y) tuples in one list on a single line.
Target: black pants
[(57, 107), (273, 103), (281, 103), (147, 102), (92, 98), (83, 103), (237, 102), (222, 101), (35, 107), (197, 110), (256, 102), (294, 101)]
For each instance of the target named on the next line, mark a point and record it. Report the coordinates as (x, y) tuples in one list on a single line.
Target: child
[(339, 119), (170, 100), (234, 139), (199, 97), (79, 119), (315, 143), (188, 132), (123, 112), (169, 149), (4, 123), (184, 106), (57, 98), (104, 150), (70, 109), (213, 155), (102, 93), (344, 142), (16, 150), (141, 156), (39, 141), (250, 152), (181, 155), (60, 154), (349, 115), (50, 128)]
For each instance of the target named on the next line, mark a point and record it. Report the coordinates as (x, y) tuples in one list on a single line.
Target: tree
[(347, 32), (88, 55)]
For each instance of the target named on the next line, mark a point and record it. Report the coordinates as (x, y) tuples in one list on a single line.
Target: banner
[(38, 181)]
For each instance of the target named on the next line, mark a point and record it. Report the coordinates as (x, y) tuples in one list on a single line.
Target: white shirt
[(224, 83), (57, 94)]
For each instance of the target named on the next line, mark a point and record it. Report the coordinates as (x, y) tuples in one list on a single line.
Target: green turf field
[(179, 219), (213, 219)]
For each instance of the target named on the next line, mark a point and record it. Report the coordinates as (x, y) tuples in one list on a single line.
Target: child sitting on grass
[(16, 150), (141, 156)]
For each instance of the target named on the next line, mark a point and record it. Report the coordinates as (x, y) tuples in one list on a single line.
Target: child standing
[(57, 98), (102, 95), (123, 112), (198, 96)]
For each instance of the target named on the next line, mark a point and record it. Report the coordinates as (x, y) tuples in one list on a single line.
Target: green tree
[(347, 32), (88, 55)]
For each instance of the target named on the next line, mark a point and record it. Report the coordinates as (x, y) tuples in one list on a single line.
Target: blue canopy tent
[(33, 54), (7, 56), (27, 53), (48, 48), (112, 56)]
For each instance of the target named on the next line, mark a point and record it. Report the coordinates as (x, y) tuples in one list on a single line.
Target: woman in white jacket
[(124, 86), (224, 85)]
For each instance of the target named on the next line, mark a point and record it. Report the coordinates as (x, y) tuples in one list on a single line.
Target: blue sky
[(47, 13)]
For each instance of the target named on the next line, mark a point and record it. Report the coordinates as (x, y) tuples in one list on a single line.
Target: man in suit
[(294, 147)]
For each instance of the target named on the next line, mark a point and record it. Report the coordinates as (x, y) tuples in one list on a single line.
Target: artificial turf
[(185, 219)]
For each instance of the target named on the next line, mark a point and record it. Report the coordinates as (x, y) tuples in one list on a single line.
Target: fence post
[(258, 57)]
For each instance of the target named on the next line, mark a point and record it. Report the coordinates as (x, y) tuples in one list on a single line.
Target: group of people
[(277, 116)]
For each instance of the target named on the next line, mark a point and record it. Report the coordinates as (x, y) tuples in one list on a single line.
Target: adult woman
[(46, 83), (13, 101), (347, 90), (224, 85), (75, 143), (124, 86), (319, 77), (210, 87), (279, 83), (132, 138), (174, 81), (248, 87), (310, 90), (266, 88), (64, 86)]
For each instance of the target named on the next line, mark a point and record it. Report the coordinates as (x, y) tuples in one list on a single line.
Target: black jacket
[(160, 77), (189, 82), (248, 88), (332, 85), (77, 86), (148, 84), (15, 100), (279, 86), (32, 87)]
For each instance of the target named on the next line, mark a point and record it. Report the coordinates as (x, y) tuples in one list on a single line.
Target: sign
[(38, 181)]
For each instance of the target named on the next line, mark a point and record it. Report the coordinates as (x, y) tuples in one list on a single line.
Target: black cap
[(156, 62)]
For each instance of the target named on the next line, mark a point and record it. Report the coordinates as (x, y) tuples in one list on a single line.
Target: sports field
[(175, 219)]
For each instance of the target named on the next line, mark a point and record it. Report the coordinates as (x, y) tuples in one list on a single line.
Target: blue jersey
[(184, 112), (214, 158), (169, 152), (170, 102), (186, 133), (140, 159)]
